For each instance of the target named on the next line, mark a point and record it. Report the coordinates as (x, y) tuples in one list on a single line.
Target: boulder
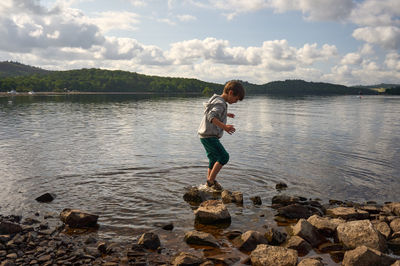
[(249, 240), (272, 255), (295, 211), (383, 228), (212, 212), (9, 228), (284, 200), (194, 195), (325, 225), (347, 213), (393, 207), (299, 244), (394, 245), (311, 262), (357, 233), (397, 263), (329, 247), (201, 239), (185, 259), (45, 198), (149, 241), (365, 256), (395, 225), (275, 237), (281, 186), (229, 197), (78, 219), (308, 232)]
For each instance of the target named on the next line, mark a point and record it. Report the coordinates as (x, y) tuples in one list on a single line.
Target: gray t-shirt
[(216, 107)]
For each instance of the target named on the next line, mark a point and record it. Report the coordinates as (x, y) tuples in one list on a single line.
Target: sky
[(349, 42)]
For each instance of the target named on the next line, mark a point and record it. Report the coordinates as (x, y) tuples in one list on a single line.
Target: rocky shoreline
[(307, 232)]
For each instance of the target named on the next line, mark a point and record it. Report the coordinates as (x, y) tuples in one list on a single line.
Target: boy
[(213, 126)]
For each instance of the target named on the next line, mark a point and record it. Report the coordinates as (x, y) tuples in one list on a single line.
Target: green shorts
[(215, 151)]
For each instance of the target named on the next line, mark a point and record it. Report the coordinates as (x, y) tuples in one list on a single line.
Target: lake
[(129, 158)]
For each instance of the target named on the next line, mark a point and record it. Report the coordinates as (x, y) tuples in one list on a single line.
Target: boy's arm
[(228, 128)]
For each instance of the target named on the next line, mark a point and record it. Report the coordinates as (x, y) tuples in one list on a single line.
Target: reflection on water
[(128, 158)]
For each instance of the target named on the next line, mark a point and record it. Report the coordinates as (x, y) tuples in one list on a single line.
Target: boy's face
[(232, 98)]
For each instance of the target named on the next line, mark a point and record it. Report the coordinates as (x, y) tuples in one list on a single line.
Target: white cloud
[(392, 61), (351, 59), (138, 3), (186, 18), (386, 36), (111, 20)]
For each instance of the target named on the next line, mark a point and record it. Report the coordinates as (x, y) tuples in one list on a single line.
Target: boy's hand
[(230, 115), (230, 129)]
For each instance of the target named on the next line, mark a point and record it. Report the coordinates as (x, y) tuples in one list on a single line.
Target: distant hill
[(382, 85), (20, 77), (12, 69)]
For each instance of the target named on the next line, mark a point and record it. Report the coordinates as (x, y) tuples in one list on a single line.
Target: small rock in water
[(45, 198), (149, 241), (78, 219), (281, 186), (256, 200)]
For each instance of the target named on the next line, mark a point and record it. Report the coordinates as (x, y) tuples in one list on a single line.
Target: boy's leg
[(212, 173)]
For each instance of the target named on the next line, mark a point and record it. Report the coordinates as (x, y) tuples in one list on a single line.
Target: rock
[(329, 247), (194, 195), (7, 263), (275, 237), (149, 241), (9, 227), (299, 244), (308, 232), (294, 211), (232, 197), (284, 200), (393, 207), (272, 255), (78, 219), (357, 233), (185, 259), (256, 200), (325, 225), (395, 225), (394, 245), (168, 227), (45, 198), (201, 239), (212, 212), (280, 186), (365, 256), (347, 213), (397, 263), (249, 240), (311, 262), (383, 228)]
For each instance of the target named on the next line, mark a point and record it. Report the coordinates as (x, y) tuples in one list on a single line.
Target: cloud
[(111, 20), (186, 18), (351, 59), (138, 3), (386, 36)]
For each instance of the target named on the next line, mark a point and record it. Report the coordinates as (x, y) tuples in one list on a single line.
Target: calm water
[(128, 158)]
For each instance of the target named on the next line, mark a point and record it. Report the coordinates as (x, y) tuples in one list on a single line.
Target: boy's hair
[(236, 87)]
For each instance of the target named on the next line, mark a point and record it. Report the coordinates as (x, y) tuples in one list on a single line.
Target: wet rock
[(232, 197), (397, 263), (249, 240), (233, 234), (194, 195), (311, 262), (285, 200), (272, 255), (45, 198), (294, 211), (280, 186), (347, 213), (222, 259), (78, 219), (329, 247), (363, 255), (201, 239), (256, 200), (185, 259), (9, 227), (275, 237), (357, 233), (149, 241), (165, 226), (308, 232), (325, 225), (395, 225), (212, 212), (299, 244)]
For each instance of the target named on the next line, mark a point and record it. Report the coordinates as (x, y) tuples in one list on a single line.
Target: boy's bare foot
[(214, 185)]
